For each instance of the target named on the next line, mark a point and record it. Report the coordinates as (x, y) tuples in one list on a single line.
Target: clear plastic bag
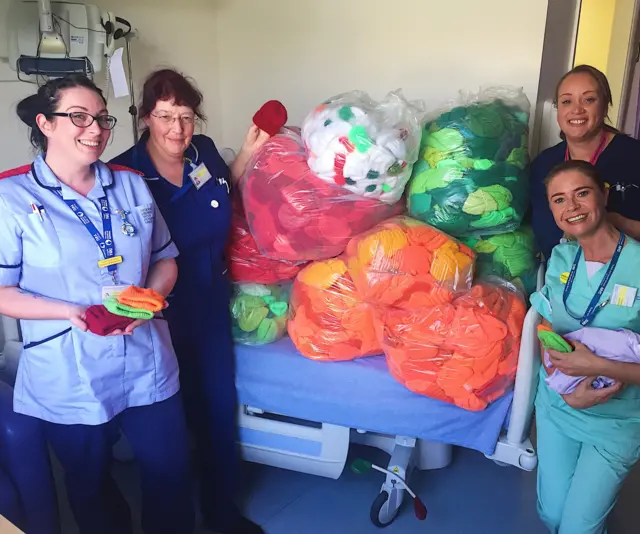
[(472, 175), (328, 319), (464, 352), (294, 215), (510, 256), (259, 313), (367, 147), (247, 263), (409, 264)]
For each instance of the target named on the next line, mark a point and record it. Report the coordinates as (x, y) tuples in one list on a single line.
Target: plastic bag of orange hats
[(464, 352), (246, 262), (328, 320), (409, 264), (294, 215)]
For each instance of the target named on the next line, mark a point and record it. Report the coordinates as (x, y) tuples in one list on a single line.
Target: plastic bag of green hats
[(472, 174), (259, 312), (510, 256)]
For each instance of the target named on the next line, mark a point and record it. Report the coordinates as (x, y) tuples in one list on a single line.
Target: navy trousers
[(10, 506), (201, 334), (208, 385), (27, 490), (158, 437)]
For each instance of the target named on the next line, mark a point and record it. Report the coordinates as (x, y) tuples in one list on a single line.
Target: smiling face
[(171, 127), (581, 107), (577, 204), (80, 146)]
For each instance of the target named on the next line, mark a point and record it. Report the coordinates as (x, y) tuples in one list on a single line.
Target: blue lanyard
[(104, 240), (594, 307)]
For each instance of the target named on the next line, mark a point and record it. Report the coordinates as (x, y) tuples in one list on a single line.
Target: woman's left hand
[(580, 362), (585, 396), (129, 329)]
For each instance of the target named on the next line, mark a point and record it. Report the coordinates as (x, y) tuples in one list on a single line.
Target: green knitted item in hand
[(123, 310), (553, 341)]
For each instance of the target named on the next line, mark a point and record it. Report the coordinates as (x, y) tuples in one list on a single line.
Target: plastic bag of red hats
[(328, 320), (409, 264), (294, 215), (246, 262), (464, 352)]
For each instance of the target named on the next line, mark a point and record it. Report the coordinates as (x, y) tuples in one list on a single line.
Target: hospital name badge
[(623, 295), (200, 175)]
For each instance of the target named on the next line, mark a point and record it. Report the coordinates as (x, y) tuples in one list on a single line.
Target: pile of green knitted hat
[(259, 312), (510, 256), (472, 177)]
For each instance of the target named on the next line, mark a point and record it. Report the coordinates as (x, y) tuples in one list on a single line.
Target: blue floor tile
[(472, 495)]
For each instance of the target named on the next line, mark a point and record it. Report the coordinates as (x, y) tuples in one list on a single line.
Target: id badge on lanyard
[(595, 305), (105, 240)]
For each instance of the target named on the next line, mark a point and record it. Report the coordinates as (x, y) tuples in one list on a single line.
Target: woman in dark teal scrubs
[(192, 185)]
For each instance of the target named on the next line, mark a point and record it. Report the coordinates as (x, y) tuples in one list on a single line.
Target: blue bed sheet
[(358, 394)]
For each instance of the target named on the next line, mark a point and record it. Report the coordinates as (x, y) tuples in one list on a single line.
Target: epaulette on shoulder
[(24, 169), (116, 167)]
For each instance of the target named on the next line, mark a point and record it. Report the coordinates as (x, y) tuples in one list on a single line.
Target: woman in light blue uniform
[(64, 242), (193, 185), (590, 439)]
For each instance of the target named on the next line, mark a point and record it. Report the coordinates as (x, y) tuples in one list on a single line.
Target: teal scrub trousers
[(578, 483)]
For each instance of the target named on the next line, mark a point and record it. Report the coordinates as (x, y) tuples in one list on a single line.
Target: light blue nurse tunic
[(65, 375), (585, 455)]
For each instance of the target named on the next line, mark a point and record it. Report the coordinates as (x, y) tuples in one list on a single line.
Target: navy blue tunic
[(619, 165), (198, 314), (199, 222)]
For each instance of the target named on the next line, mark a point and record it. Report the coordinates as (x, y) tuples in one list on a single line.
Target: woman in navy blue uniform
[(192, 184), (583, 98)]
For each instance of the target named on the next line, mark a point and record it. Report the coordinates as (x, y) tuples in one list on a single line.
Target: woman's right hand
[(585, 396), (77, 315)]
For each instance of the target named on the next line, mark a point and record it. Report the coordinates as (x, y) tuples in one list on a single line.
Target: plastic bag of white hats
[(364, 146)]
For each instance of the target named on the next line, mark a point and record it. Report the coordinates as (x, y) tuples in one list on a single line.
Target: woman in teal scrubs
[(590, 439)]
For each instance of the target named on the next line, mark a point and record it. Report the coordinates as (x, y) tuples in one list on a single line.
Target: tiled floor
[(471, 496)]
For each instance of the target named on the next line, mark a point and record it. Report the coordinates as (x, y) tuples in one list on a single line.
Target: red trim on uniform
[(116, 167), (15, 172)]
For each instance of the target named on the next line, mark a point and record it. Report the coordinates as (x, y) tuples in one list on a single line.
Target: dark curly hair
[(46, 101)]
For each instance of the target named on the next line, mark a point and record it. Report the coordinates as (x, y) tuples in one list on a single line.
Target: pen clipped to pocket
[(39, 211)]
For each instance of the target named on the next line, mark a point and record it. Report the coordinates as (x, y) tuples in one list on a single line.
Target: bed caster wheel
[(381, 515)]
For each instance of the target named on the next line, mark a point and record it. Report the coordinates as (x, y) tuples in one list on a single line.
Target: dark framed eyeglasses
[(84, 120)]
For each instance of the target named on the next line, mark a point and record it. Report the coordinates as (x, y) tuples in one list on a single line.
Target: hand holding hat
[(267, 122)]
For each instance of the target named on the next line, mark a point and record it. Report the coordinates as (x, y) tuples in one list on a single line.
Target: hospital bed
[(303, 415)]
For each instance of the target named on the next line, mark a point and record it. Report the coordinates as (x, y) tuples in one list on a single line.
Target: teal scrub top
[(616, 423)]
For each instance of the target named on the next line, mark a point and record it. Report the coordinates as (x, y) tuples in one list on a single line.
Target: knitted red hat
[(271, 117), (102, 322)]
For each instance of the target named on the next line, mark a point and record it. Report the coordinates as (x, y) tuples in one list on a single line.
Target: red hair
[(170, 85)]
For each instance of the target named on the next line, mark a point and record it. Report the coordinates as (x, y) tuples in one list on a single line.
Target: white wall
[(177, 34), (244, 52), (304, 51), (557, 59)]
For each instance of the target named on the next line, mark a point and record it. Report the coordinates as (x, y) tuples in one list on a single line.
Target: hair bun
[(29, 108)]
